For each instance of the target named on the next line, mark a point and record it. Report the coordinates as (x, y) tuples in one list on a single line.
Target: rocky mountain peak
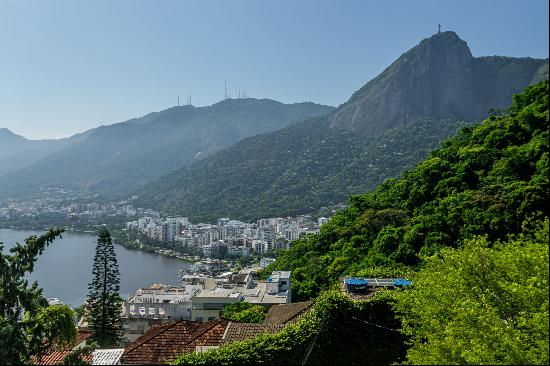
[(439, 79), (444, 49)]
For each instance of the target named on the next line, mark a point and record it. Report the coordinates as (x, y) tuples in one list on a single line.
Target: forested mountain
[(490, 180), (293, 171), (17, 152), (115, 159), (476, 213), (383, 129)]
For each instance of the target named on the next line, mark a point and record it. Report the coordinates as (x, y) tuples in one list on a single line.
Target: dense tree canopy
[(481, 304), (488, 180), (469, 226), (28, 326), (338, 331), (294, 171)]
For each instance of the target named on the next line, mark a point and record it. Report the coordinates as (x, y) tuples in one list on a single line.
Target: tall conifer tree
[(103, 301)]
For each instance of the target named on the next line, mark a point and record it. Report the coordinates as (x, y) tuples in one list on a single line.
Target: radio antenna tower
[(189, 100), (225, 95), (178, 100)]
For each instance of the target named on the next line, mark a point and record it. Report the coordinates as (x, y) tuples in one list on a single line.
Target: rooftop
[(217, 292), (163, 343), (287, 313), (241, 331), (56, 357), (106, 356)]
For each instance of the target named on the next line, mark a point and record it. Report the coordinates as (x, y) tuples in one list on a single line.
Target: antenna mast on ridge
[(439, 28)]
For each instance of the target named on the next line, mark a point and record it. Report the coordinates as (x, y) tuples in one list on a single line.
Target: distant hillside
[(293, 171), (383, 129), (17, 152), (117, 158)]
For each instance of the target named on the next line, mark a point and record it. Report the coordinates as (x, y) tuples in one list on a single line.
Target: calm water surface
[(65, 268)]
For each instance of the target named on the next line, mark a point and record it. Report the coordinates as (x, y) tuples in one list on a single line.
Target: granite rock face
[(439, 79)]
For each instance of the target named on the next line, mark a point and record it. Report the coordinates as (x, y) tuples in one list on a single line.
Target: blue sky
[(66, 66)]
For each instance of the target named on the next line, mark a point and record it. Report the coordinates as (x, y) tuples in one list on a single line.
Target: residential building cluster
[(195, 325), (227, 237), (59, 209), (164, 342), (201, 297)]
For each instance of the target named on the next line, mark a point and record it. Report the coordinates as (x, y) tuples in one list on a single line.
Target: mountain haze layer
[(386, 127), (17, 152), (114, 159)]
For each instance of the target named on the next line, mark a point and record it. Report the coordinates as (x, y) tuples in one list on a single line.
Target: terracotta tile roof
[(164, 342), (56, 357), (287, 313), (241, 331)]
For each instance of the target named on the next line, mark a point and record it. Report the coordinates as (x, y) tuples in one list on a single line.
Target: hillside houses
[(200, 298), (165, 342)]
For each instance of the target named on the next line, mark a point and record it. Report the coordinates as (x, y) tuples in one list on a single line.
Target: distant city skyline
[(70, 66)]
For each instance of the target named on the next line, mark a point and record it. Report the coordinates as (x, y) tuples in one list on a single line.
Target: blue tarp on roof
[(401, 282), (356, 281)]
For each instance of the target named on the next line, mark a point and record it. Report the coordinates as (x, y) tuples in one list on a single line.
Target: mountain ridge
[(17, 152), (116, 158), (281, 174)]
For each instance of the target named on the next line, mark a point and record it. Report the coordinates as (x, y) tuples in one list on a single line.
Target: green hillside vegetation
[(480, 304), (469, 227), (485, 303), (337, 332), (293, 171), (491, 180), (387, 126)]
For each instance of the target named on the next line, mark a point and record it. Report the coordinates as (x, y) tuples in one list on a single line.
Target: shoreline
[(116, 240)]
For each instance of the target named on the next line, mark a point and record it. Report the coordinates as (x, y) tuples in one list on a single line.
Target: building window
[(212, 306), (283, 283)]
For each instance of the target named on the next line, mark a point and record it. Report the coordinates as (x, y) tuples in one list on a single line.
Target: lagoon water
[(65, 268)]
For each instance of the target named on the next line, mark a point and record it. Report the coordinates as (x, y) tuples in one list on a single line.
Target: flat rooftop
[(217, 292)]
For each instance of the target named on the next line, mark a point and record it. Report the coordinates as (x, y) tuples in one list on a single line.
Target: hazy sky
[(66, 66)]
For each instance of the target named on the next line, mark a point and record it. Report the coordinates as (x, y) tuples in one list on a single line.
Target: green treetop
[(28, 326), (480, 304)]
